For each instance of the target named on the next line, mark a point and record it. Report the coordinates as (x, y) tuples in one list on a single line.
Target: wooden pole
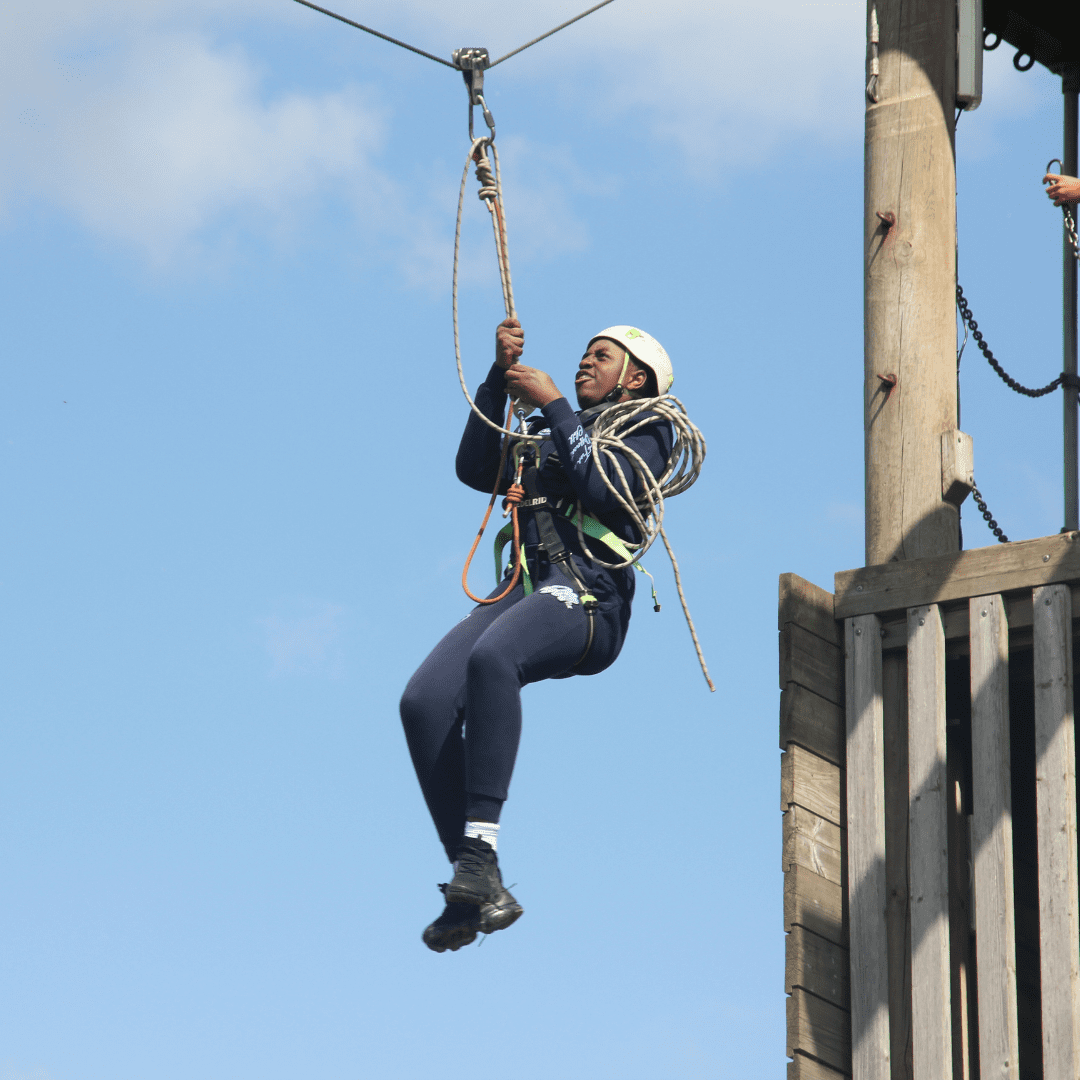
[(910, 253)]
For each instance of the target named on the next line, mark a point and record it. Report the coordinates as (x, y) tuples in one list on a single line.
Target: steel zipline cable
[(439, 59)]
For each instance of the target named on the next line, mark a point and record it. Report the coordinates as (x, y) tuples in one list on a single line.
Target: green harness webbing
[(590, 527)]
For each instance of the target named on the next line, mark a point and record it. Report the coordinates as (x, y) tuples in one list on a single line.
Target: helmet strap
[(618, 391)]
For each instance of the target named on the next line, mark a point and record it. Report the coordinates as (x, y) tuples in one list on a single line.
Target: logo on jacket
[(563, 593), (580, 447)]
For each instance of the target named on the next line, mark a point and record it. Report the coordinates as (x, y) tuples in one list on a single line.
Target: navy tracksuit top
[(566, 465)]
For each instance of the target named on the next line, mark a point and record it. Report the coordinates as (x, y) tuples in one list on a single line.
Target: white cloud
[(162, 135), (137, 118)]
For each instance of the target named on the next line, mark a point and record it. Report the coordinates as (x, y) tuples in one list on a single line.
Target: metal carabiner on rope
[(472, 63)]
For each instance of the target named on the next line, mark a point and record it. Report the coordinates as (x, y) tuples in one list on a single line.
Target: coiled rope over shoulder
[(610, 430)]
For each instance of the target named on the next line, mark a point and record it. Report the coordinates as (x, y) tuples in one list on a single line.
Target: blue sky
[(233, 530)]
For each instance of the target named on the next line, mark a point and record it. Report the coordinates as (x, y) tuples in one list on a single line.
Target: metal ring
[(1059, 161), (1023, 67), (989, 34)]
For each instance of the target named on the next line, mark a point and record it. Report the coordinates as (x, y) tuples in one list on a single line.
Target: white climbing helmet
[(645, 349)]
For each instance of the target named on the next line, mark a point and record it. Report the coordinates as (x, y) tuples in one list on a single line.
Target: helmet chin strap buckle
[(617, 393)]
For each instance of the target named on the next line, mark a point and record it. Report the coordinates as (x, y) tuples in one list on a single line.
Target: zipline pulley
[(472, 63)]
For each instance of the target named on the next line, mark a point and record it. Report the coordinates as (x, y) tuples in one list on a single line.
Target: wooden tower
[(928, 780)]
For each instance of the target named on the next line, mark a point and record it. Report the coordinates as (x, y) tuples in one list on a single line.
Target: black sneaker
[(500, 913), (455, 928), (477, 879)]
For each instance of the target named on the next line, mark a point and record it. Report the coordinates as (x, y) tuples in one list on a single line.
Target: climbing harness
[(612, 425)]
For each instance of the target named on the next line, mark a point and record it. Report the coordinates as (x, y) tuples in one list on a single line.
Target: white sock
[(483, 830)]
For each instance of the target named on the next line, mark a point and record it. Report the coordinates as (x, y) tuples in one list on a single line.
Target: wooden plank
[(815, 903), (894, 631), (897, 585), (817, 965), (1055, 788), (928, 847), (810, 781), (819, 1029), (991, 839), (813, 842), (805, 1068), (813, 722), (955, 618), (866, 850), (962, 970), (897, 903), (811, 662), (809, 606)]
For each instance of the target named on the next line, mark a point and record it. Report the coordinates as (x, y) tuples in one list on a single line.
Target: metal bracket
[(957, 467)]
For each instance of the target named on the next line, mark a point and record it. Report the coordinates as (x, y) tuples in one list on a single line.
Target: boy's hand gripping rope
[(611, 428)]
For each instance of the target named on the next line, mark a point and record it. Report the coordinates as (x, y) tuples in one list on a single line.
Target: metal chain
[(969, 320), (991, 524), (1066, 211), (1070, 231)]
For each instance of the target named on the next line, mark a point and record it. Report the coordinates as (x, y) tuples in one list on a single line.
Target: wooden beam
[(813, 722), (991, 836), (819, 1029), (928, 847), (815, 903), (811, 662), (813, 842), (806, 1068), (957, 576), (809, 606), (818, 966), (1055, 787), (866, 850), (810, 781), (954, 615)]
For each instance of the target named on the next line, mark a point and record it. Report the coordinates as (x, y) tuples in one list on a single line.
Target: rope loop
[(485, 175)]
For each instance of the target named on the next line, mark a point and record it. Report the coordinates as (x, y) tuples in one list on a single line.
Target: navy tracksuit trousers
[(462, 709)]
